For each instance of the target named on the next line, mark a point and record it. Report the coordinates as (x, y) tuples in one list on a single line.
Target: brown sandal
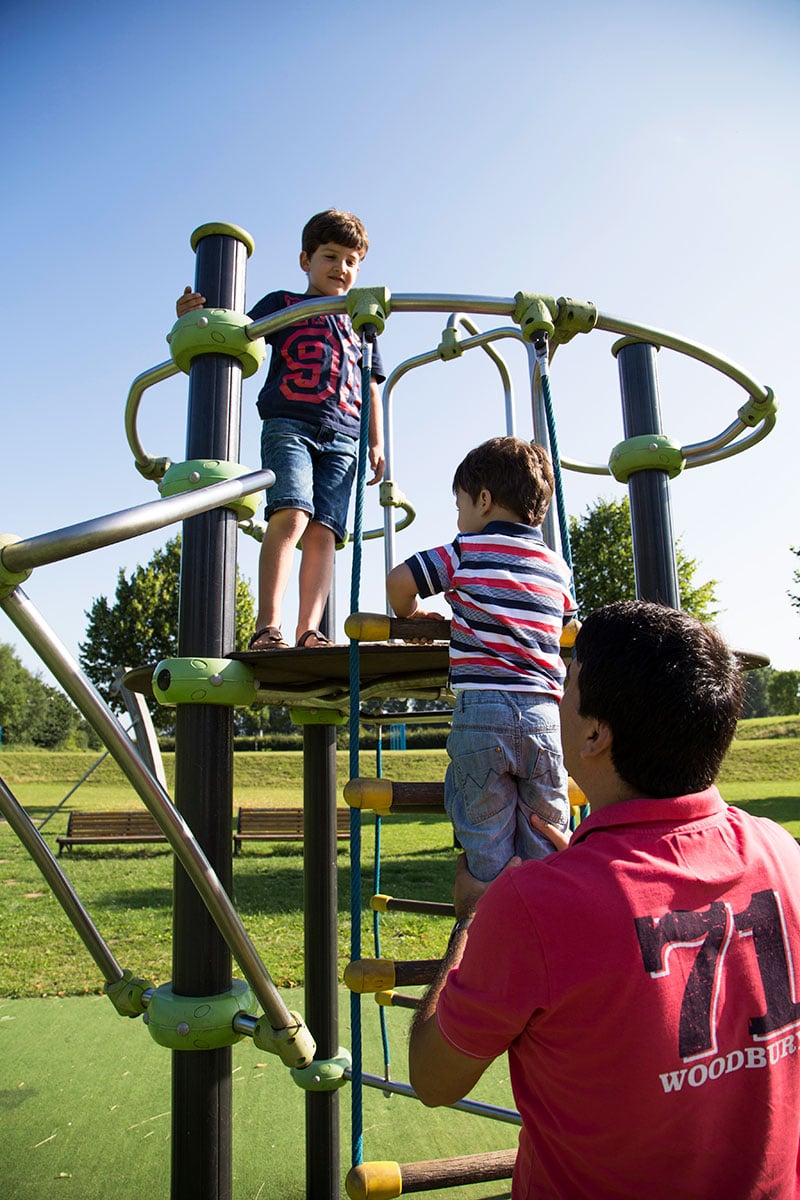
[(315, 633), (270, 636)]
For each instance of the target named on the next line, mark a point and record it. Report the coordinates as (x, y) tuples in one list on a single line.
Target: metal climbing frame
[(217, 348)]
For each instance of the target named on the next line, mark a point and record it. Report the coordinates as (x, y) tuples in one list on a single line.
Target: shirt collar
[(677, 810)]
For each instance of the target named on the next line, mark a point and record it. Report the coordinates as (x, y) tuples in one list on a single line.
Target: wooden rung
[(366, 975), (381, 903), (386, 795), (378, 627), (388, 1180), (392, 999)]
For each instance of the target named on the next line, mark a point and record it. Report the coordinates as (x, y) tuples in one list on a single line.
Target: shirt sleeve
[(490, 998), (433, 570)]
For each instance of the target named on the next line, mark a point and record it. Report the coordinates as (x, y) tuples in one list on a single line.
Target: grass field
[(127, 890)]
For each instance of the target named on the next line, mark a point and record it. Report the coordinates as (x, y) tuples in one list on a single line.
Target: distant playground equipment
[(203, 1010)]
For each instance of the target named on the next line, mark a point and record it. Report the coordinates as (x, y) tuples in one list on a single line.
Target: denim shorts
[(314, 469), (505, 763)]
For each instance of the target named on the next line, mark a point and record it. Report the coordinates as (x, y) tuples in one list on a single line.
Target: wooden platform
[(320, 675)]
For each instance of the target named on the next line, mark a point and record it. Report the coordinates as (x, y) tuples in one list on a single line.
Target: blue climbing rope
[(540, 345), (357, 1116)]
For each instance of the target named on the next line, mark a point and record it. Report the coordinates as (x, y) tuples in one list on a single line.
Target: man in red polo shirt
[(644, 982)]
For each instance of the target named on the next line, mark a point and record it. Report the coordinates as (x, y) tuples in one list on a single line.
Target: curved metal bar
[(128, 523), (58, 660), (703, 354), (61, 887), (699, 453), (151, 468), (500, 363)]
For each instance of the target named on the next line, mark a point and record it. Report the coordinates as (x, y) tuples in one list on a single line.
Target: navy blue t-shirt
[(315, 370)]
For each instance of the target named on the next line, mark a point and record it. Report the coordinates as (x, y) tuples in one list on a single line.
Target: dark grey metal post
[(201, 1080), (321, 902), (654, 559), (321, 986)]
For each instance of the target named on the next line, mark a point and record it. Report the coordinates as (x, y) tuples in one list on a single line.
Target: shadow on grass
[(783, 809)]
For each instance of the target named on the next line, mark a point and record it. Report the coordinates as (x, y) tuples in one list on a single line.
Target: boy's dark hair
[(344, 228), (518, 474), (670, 690)]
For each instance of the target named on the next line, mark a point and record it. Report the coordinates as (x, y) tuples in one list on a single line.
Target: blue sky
[(643, 157)]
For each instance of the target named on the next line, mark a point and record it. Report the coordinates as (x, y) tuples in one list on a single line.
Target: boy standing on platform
[(311, 408), (511, 596)]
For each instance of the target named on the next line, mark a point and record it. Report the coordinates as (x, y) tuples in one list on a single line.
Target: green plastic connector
[(535, 314), (574, 317), (215, 331), (390, 496), (369, 306), (126, 994), (450, 346), (202, 472), (198, 1022), (650, 452), (754, 411), (9, 580), (226, 230), (294, 1045), (198, 680), (324, 1074), (318, 716)]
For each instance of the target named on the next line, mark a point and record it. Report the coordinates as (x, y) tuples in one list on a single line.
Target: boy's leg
[(542, 777), (480, 794), (316, 577), (284, 530)]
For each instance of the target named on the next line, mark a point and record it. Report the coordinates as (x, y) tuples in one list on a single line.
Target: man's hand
[(560, 840), (468, 890)]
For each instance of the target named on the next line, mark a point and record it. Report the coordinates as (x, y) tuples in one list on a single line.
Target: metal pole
[(654, 559), (201, 1080), (321, 987)]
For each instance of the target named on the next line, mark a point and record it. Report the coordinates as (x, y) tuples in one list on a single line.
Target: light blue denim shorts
[(314, 469), (505, 763)]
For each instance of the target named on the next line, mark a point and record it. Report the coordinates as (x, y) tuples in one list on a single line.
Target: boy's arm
[(376, 459), (188, 301), (401, 589)]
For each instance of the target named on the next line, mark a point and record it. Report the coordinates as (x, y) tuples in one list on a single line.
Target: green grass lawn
[(128, 890)]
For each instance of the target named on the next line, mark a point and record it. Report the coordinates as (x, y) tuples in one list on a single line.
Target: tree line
[(139, 626)]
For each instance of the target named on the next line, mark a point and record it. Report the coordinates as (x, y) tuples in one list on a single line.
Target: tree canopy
[(31, 711), (140, 626), (602, 560)]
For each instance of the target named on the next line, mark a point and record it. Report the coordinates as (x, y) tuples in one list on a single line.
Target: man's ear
[(305, 262), (598, 740), (485, 499)]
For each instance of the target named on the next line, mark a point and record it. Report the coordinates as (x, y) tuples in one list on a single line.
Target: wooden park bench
[(279, 825), (109, 828)]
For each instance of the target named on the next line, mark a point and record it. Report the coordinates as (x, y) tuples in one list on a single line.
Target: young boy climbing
[(310, 406), (510, 595)]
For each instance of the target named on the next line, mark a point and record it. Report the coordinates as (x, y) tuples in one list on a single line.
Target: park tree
[(602, 560), (784, 693), (795, 596), (140, 625), (31, 711), (756, 693)]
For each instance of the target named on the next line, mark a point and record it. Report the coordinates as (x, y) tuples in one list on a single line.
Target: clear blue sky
[(641, 156)]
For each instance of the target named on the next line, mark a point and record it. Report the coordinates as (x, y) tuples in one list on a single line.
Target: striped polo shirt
[(510, 595)]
